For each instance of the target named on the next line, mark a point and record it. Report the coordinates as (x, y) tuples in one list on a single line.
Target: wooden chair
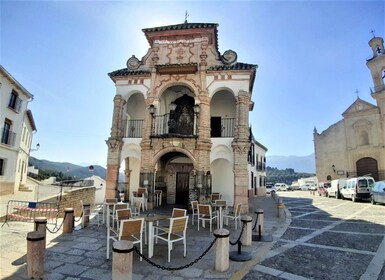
[(121, 214), (194, 208), (176, 213), (131, 230), (174, 233), (135, 208), (117, 206), (205, 213), (215, 196), (234, 215), (89, 211)]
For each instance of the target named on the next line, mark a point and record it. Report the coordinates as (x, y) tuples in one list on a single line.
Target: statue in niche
[(184, 119)]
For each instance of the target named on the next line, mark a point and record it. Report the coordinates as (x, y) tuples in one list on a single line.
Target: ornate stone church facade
[(355, 146), (181, 119)]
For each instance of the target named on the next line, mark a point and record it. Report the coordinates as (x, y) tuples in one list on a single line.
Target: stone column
[(35, 254), (68, 223), (247, 232), (41, 226), (259, 225), (127, 179), (115, 145), (122, 260), (222, 246)]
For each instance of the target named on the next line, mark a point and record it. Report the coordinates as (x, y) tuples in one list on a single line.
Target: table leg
[(150, 239)]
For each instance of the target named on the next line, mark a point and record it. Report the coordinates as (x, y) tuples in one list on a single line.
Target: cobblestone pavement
[(328, 238), (81, 255)]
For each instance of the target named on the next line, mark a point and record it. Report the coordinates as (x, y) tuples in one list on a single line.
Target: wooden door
[(182, 188), (367, 166)]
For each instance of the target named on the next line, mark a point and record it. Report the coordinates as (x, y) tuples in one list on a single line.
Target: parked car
[(308, 186), (335, 187), (377, 193), (323, 188), (357, 188), (270, 188), (280, 187)]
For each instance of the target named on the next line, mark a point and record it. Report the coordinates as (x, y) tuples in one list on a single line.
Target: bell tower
[(376, 64)]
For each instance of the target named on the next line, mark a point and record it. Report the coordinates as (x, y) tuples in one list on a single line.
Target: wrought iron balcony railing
[(164, 126)]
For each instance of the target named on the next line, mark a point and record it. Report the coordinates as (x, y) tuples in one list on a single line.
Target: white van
[(357, 188), (335, 187)]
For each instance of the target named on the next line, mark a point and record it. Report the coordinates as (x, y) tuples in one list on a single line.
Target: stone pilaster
[(113, 165), (117, 118)]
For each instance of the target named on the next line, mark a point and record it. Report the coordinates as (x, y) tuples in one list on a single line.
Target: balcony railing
[(132, 128), (227, 127), (163, 126), (166, 126), (8, 137)]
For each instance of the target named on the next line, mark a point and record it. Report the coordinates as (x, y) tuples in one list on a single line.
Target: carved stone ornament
[(114, 144), (133, 63), (229, 57)]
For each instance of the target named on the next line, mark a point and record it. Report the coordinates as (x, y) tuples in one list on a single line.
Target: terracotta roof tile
[(126, 72), (235, 66), (180, 26)]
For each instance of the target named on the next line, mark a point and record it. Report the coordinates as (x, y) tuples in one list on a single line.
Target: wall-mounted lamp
[(37, 148), (197, 109), (334, 168), (152, 109)]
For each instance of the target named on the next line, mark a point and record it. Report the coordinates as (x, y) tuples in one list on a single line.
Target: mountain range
[(298, 163), (69, 169)]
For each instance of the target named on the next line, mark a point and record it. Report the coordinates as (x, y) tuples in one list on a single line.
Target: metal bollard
[(68, 223), (86, 214), (260, 217), (222, 249), (35, 254), (41, 226), (122, 260), (247, 233), (280, 208)]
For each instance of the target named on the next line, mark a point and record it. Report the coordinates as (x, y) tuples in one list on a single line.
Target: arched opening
[(175, 178), (222, 112), (367, 166), (134, 115)]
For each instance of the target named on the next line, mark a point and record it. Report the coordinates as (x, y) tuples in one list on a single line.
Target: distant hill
[(68, 169), (298, 163)]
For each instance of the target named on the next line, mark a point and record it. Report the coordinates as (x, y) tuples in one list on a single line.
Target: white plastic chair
[(174, 233), (234, 215), (194, 208), (205, 213)]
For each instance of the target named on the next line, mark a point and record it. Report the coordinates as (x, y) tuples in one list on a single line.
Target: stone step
[(24, 189)]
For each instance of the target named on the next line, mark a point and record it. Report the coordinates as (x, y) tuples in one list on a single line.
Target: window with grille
[(15, 101), (7, 135)]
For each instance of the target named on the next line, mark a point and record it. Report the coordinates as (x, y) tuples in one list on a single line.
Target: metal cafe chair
[(174, 233), (205, 213)]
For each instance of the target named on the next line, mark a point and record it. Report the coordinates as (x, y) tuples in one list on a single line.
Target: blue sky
[(311, 58)]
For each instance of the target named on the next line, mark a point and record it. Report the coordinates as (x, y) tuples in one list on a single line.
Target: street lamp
[(37, 148)]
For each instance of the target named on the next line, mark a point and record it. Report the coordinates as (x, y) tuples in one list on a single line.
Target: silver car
[(377, 193)]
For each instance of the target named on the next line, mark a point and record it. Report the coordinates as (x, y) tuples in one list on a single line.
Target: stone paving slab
[(350, 266), (295, 233), (309, 223), (363, 227), (351, 241)]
